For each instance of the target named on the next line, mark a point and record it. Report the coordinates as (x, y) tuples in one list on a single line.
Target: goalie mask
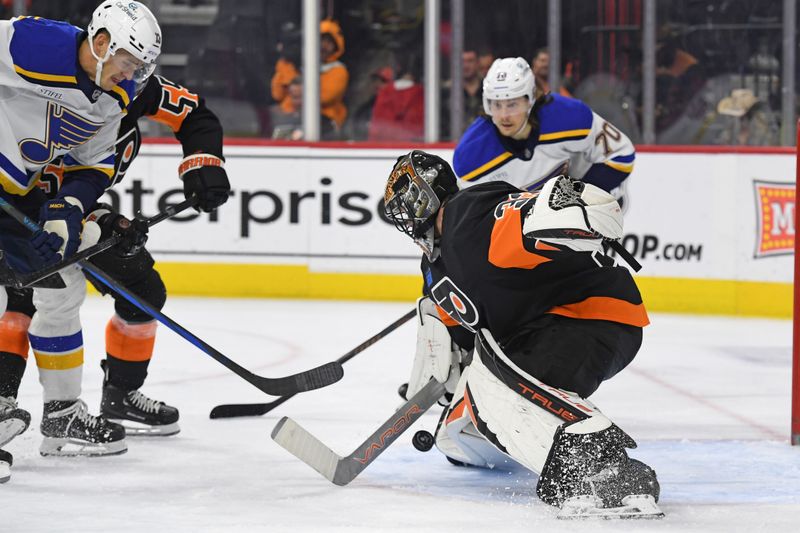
[(417, 186)]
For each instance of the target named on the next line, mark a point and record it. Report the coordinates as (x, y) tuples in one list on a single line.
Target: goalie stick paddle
[(342, 470), (304, 381), (257, 409)]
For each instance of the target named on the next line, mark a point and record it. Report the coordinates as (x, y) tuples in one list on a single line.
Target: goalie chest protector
[(489, 275)]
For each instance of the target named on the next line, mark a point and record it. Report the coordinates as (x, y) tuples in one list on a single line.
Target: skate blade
[(10, 428), (137, 429), (57, 447), (638, 507)]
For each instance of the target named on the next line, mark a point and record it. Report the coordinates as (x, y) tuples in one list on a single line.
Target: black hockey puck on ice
[(402, 390), (423, 440)]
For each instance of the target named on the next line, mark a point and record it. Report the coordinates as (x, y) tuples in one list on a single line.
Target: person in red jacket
[(399, 110)]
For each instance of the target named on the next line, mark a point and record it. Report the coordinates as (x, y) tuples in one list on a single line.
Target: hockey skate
[(69, 430), (13, 420), (6, 460), (140, 415)]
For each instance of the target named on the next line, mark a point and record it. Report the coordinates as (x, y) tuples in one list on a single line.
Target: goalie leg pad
[(458, 438), (436, 355)]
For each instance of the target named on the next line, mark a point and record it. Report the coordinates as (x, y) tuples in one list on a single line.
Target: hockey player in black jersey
[(522, 278), (130, 333)]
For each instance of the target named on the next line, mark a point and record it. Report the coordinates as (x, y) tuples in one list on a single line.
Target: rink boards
[(714, 231)]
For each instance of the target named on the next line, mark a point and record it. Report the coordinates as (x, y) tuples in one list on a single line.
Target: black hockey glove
[(133, 232), (203, 176)]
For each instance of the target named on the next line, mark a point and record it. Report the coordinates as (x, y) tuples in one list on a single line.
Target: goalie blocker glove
[(204, 176)]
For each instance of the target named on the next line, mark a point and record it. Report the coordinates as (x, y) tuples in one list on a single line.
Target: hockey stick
[(301, 382), (342, 470), (172, 210), (257, 409)]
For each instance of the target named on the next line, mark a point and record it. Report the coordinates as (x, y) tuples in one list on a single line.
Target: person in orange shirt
[(333, 80)]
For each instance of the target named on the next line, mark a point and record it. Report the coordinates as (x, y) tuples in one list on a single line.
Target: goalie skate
[(6, 460), (635, 506), (13, 420)]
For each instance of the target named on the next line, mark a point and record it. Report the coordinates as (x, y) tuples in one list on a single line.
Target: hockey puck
[(423, 440), (402, 390)]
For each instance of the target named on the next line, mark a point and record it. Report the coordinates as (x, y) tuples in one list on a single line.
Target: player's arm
[(611, 153), (200, 133)]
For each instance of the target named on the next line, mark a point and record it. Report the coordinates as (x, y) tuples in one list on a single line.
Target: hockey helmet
[(131, 27), (508, 77), (417, 187)]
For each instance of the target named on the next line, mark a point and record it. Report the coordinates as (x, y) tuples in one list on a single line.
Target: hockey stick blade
[(342, 470), (258, 409), (315, 378)]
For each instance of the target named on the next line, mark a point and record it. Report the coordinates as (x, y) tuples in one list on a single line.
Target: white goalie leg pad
[(436, 356), (3, 299), (458, 438), (521, 421)]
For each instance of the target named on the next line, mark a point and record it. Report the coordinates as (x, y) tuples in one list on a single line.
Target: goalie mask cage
[(796, 332)]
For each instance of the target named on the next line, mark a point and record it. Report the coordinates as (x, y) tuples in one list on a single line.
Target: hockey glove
[(570, 209), (203, 176), (62, 221), (133, 232)]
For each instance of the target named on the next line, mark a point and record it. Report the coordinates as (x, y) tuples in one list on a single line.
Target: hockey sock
[(129, 346), (60, 362), (12, 367)]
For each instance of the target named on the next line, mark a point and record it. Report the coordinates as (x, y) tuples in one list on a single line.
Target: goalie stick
[(304, 381), (258, 409), (32, 279), (342, 470)]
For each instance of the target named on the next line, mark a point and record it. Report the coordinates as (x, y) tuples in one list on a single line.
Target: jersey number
[(603, 136)]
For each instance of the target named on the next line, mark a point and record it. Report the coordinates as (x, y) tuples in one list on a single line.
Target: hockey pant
[(130, 334), (499, 412)]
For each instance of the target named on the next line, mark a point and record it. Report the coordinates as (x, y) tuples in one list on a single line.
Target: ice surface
[(707, 399)]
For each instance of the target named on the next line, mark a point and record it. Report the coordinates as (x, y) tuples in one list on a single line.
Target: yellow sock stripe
[(49, 361)]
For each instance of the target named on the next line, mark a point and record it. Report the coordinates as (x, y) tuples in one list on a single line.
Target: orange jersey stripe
[(130, 342), (14, 333), (605, 308), (506, 249), (177, 103), (447, 320)]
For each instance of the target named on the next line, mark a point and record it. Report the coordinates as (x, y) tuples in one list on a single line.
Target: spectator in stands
[(540, 66), (485, 60), (287, 116), (361, 117), (751, 123), (399, 113), (332, 82), (679, 77), (471, 85)]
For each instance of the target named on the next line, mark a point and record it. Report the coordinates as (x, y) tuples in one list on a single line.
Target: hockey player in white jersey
[(64, 92), (529, 136)]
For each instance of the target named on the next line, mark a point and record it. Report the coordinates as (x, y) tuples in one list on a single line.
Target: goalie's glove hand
[(204, 177), (437, 356), (62, 221), (571, 209)]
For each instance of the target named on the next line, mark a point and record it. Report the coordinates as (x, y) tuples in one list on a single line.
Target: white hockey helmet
[(508, 77), (133, 28)]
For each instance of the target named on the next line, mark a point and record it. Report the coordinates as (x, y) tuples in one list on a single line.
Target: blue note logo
[(64, 131)]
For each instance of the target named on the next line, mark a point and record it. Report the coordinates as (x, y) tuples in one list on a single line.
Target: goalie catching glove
[(437, 356), (204, 176), (571, 209)]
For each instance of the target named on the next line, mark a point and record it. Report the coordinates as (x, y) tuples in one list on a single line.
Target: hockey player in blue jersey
[(64, 93), (528, 136)]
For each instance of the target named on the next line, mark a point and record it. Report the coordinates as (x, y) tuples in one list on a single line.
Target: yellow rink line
[(679, 295)]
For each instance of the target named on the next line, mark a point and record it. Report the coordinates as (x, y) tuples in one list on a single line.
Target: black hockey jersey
[(488, 275)]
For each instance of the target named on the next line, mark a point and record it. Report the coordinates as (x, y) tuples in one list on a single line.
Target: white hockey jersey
[(569, 133), (49, 107)]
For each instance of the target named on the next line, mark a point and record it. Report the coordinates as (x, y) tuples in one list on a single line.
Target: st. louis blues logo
[(64, 131)]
